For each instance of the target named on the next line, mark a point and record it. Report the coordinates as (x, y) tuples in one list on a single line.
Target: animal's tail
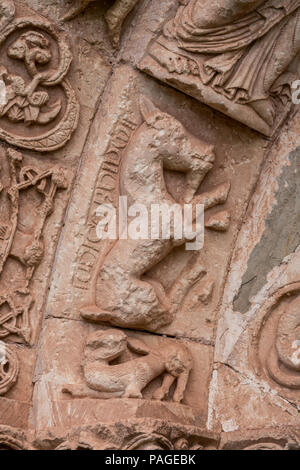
[(82, 391)]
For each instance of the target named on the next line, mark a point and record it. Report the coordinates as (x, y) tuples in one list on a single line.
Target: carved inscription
[(106, 191), (236, 56)]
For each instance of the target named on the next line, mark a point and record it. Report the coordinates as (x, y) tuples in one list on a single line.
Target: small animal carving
[(128, 379)]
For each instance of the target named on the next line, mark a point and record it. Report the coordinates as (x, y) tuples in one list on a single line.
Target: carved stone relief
[(132, 374), (40, 112), (114, 17), (232, 55), (24, 246), (257, 348), (122, 297), (128, 379), (12, 439), (21, 251), (9, 368), (277, 339), (135, 434), (139, 343), (175, 281), (280, 438)]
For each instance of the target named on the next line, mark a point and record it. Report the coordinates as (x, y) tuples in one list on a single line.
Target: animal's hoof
[(133, 394), (158, 395), (177, 398)]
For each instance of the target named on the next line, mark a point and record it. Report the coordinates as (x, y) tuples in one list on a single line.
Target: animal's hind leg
[(181, 386), (163, 391), (132, 391), (123, 297)]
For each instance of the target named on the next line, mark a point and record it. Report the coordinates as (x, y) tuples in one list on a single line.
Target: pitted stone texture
[(82, 253)]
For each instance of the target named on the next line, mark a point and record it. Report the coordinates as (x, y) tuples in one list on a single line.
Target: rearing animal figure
[(122, 297)]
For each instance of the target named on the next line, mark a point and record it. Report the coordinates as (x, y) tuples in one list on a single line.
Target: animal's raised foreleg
[(190, 274), (163, 391), (213, 198)]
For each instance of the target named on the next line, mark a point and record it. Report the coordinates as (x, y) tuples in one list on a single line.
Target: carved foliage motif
[(31, 48), (26, 248), (239, 66)]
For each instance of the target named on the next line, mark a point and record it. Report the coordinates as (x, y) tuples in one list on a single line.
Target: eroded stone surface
[(143, 344)]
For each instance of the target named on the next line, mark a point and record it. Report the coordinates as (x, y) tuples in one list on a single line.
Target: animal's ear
[(138, 346), (148, 109)]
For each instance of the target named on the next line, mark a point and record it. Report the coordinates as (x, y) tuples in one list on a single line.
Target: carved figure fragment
[(114, 17), (242, 50)]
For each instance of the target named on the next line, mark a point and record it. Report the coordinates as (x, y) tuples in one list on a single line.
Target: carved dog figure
[(123, 297), (130, 378)]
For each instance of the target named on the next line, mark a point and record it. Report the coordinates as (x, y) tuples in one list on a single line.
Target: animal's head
[(105, 345), (171, 137)]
